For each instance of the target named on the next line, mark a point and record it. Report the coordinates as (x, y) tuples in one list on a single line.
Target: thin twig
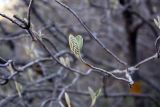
[(155, 56), (29, 12), (90, 32), (10, 19)]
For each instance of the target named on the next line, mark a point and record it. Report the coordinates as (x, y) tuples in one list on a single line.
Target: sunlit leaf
[(79, 41), (67, 100), (98, 92), (91, 92), (74, 46), (94, 95)]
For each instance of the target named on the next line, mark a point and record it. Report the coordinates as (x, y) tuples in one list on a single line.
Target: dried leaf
[(157, 21), (18, 85), (62, 60), (67, 60), (18, 88)]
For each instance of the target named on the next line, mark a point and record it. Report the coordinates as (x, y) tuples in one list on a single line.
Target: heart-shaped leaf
[(79, 41), (74, 45)]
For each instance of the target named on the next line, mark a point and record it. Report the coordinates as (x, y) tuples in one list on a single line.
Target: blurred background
[(125, 27)]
